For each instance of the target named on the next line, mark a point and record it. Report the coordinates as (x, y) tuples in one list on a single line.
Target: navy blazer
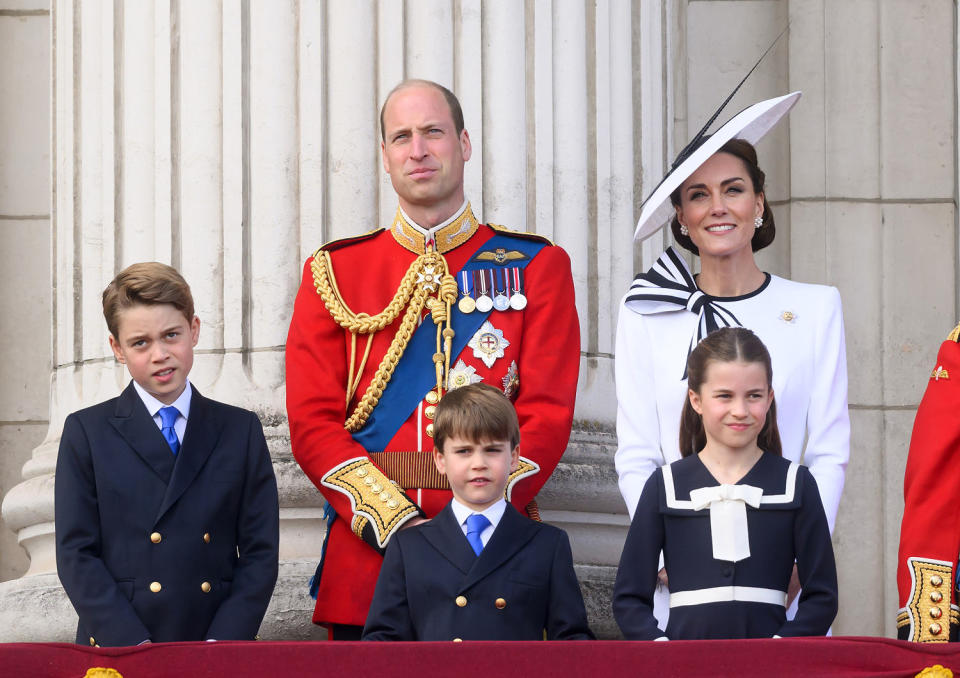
[(433, 587), (163, 547)]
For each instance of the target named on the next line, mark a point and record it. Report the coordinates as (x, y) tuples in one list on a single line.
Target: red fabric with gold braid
[(930, 532), (544, 341)]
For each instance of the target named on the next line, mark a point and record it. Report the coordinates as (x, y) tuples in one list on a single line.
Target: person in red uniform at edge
[(930, 532), (386, 322)]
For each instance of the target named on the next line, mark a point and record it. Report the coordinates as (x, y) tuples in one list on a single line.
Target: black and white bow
[(669, 285)]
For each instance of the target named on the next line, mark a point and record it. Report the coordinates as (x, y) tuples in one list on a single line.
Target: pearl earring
[(758, 222), (683, 230)]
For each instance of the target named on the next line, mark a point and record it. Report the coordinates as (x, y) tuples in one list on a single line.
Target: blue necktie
[(476, 523), (168, 417)]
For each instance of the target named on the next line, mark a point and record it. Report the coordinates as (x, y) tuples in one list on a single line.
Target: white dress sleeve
[(638, 426), (828, 420)]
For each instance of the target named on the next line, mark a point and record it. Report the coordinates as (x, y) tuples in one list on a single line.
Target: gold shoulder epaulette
[(521, 234), (955, 335), (343, 242)]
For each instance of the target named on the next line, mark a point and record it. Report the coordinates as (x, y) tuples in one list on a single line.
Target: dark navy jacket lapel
[(137, 428), (199, 441), (512, 534), (446, 536)]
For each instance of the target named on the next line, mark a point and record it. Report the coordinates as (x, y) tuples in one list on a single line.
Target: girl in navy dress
[(732, 516)]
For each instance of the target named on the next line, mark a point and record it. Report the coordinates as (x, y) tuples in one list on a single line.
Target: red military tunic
[(930, 532), (543, 351)]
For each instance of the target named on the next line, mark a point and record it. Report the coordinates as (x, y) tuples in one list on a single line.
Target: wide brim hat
[(750, 124)]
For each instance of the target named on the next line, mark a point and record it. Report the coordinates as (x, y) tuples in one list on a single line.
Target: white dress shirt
[(494, 513), (182, 404)]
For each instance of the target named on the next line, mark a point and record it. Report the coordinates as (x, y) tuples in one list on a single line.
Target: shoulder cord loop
[(426, 283)]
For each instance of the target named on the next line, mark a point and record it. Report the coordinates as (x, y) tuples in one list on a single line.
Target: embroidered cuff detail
[(377, 503), (930, 585), (525, 467)]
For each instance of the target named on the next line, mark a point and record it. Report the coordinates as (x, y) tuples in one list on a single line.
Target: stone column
[(873, 177), (231, 139)]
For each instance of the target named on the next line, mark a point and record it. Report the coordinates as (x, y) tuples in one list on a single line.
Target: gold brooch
[(788, 317)]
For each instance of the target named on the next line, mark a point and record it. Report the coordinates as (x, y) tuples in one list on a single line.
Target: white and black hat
[(750, 124)]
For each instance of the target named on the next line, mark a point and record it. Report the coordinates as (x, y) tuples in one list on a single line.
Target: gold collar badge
[(939, 373), (447, 238)]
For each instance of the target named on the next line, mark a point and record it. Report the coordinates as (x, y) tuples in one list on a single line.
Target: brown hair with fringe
[(148, 284), (726, 345), (478, 413), (763, 236)]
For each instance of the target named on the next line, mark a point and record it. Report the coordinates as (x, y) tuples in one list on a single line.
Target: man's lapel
[(199, 441), (445, 535), (512, 534), (135, 425)]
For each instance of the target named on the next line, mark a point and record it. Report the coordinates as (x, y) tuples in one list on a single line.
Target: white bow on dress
[(728, 517)]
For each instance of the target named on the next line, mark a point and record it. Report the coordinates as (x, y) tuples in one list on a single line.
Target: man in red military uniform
[(930, 532), (385, 323)]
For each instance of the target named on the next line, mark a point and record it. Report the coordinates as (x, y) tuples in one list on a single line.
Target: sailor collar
[(444, 237), (775, 476)]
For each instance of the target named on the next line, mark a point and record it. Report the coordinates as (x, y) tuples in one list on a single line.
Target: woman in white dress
[(720, 213)]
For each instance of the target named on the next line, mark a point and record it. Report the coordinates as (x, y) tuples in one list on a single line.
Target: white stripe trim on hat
[(724, 594)]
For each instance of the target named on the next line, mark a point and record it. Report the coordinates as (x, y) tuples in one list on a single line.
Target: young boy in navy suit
[(479, 570), (166, 502)]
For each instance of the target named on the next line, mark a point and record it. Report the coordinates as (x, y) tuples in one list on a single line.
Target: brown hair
[(147, 283), (726, 345), (477, 412), (763, 236), (456, 112)]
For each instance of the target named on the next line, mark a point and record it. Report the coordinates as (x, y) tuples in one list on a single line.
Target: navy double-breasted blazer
[(163, 547), (522, 585)]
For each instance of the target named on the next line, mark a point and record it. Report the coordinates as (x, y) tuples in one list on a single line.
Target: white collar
[(153, 405), (494, 512), (428, 232)]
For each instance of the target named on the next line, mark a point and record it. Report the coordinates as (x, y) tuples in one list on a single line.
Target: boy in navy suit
[(479, 570), (166, 502)]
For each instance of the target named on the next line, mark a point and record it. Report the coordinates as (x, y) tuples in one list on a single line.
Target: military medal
[(466, 303), (518, 301), (500, 302), (484, 301), (462, 375), (488, 343), (511, 380)]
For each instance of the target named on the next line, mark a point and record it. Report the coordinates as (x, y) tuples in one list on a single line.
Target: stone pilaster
[(231, 139)]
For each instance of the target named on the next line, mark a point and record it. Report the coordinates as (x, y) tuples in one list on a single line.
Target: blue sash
[(410, 380)]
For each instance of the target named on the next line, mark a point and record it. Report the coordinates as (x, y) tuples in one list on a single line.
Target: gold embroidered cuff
[(372, 497), (357, 524), (525, 467), (931, 584)]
